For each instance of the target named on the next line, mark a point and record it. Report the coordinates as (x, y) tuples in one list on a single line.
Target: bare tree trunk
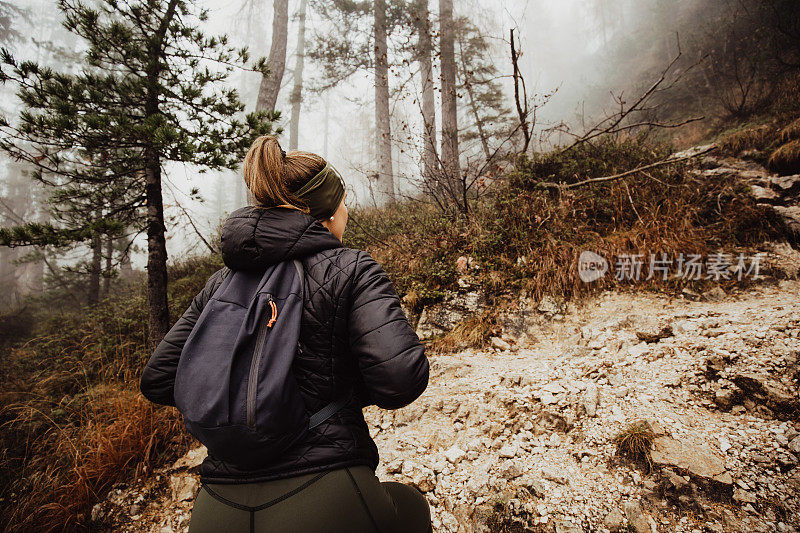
[(36, 284), (383, 134), (125, 266), (109, 261), (220, 197), (297, 90), (603, 19), (450, 154), (158, 309), (156, 252), (425, 51), (327, 117), (271, 85), (665, 13), (93, 294), (8, 281), (238, 193), (521, 100)]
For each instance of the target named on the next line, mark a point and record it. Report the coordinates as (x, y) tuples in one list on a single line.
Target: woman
[(354, 337)]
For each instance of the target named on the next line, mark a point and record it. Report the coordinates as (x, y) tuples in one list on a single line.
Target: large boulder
[(443, 316), (700, 463)]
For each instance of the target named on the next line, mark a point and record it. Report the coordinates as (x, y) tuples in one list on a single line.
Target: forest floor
[(524, 439)]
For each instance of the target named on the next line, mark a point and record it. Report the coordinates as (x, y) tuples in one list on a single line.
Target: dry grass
[(68, 468), (786, 159), (791, 132), (527, 239), (635, 442), (475, 331), (72, 422), (756, 138)]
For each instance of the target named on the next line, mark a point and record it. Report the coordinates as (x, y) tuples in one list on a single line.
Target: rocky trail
[(521, 437)]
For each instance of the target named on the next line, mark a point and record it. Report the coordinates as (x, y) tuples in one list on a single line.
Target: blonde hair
[(273, 175)]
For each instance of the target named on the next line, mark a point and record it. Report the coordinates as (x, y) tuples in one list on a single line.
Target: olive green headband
[(323, 193)]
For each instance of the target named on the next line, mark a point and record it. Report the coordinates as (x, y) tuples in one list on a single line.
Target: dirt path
[(525, 413), (523, 439)]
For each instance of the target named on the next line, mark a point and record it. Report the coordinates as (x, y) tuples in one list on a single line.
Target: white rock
[(591, 399), (454, 454), (742, 496), (499, 344), (638, 350), (554, 387), (551, 474), (510, 470), (509, 450), (794, 445), (184, 488), (684, 326), (192, 459), (547, 398)]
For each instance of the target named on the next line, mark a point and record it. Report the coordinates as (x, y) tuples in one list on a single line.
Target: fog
[(562, 51)]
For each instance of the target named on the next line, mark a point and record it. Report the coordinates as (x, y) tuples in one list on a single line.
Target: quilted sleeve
[(158, 377), (391, 359)]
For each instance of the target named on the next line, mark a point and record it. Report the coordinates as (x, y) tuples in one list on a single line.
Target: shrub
[(756, 138), (526, 238), (791, 132), (476, 330), (635, 442), (786, 159), (113, 435)]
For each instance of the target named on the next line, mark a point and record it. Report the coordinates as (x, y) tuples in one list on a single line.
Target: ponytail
[(273, 176)]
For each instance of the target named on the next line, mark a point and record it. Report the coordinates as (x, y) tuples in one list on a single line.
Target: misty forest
[(590, 210)]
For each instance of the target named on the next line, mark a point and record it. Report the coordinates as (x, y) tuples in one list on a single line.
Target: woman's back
[(355, 348), (354, 340)]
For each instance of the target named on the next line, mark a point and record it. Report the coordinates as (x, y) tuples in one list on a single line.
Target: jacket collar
[(255, 238)]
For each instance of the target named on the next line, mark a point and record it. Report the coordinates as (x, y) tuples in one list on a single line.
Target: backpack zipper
[(254, 364)]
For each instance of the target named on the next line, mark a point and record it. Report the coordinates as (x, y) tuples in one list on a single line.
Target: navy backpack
[(234, 383)]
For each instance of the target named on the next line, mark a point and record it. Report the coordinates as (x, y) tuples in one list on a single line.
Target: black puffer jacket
[(354, 337)]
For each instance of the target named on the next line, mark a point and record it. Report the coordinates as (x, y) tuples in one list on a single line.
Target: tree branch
[(669, 161)]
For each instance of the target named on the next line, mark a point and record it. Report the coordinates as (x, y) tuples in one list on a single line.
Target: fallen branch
[(669, 161), (196, 230)]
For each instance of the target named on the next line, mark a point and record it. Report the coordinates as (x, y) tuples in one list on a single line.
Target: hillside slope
[(523, 440)]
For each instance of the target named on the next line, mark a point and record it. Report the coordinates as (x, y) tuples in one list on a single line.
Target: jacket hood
[(255, 238)]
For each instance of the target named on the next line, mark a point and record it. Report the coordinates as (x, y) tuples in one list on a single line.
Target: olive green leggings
[(349, 500)]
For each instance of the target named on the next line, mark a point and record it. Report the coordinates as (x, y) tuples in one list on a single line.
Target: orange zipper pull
[(274, 313)]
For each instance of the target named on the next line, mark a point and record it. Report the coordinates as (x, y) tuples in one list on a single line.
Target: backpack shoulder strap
[(299, 266), (222, 275), (328, 411)]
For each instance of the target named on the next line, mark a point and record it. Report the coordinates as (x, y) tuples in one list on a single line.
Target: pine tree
[(478, 80), (152, 91)]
